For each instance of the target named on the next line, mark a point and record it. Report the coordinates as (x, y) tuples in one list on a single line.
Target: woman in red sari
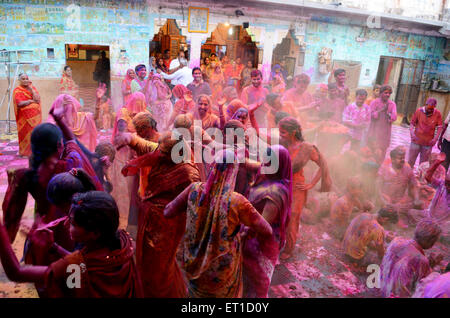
[(212, 249), (126, 85), (106, 259), (67, 84), (158, 238), (27, 109), (184, 104)]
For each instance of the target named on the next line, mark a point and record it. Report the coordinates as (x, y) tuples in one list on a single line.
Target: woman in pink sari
[(81, 123), (271, 195), (162, 106), (124, 123)]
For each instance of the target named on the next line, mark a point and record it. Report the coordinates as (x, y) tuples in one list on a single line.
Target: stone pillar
[(196, 47), (269, 46)]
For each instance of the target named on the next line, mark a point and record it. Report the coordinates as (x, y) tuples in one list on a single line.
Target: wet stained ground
[(317, 268)]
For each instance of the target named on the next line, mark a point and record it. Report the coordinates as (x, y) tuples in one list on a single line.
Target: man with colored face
[(143, 85), (198, 86), (397, 185), (424, 123), (255, 94), (383, 115), (299, 96)]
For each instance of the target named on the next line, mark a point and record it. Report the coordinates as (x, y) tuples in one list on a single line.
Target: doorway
[(83, 60), (404, 76), (169, 37), (232, 41)]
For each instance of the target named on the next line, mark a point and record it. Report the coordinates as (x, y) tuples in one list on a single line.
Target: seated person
[(342, 209), (395, 177), (434, 285), (318, 205), (405, 262), (365, 234)]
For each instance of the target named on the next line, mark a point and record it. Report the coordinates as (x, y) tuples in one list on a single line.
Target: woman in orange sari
[(301, 152), (217, 82), (67, 84), (212, 247), (27, 109), (81, 123), (158, 238)]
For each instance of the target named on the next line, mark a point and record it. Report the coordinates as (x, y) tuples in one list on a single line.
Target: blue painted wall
[(342, 39)]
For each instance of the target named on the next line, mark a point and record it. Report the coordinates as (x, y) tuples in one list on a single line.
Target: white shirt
[(174, 64), (183, 76), (447, 131)]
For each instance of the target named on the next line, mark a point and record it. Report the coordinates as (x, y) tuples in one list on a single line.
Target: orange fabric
[(27, 118), (68, 86), (158, 238)]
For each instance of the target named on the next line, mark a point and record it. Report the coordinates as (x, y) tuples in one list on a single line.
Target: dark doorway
[(404, 75)]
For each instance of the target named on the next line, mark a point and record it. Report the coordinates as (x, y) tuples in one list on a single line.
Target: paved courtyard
[(316, 270)]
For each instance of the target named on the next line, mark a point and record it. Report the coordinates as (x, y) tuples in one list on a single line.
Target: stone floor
[(316, 270)]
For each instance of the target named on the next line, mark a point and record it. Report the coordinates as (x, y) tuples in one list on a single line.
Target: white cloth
[(446, 135), (183, 76), (174, 64)]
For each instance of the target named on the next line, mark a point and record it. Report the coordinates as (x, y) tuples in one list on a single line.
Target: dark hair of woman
[(97, 212)]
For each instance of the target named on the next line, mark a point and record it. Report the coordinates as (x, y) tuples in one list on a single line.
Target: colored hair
[(392, 216), (64, 185), (196, 69), (427, 232), (397, 151), (138, 67), (144, 120), (385, 88), (339, 71), (96, 211), (271, 98), (361, 92), (302, 77), (256, 73), (291, 124), (280, 115), (45, 140)]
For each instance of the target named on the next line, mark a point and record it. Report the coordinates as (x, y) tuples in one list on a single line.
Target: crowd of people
[(219, 227)]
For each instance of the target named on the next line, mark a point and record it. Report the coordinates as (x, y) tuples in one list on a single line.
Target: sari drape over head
[(81, 123)]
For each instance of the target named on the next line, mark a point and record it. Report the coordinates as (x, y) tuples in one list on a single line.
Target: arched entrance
[(289, 54), (169, 37), (232, 41)]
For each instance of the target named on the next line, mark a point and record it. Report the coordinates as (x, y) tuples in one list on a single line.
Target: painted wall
[(342, 39), (127, 26)]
